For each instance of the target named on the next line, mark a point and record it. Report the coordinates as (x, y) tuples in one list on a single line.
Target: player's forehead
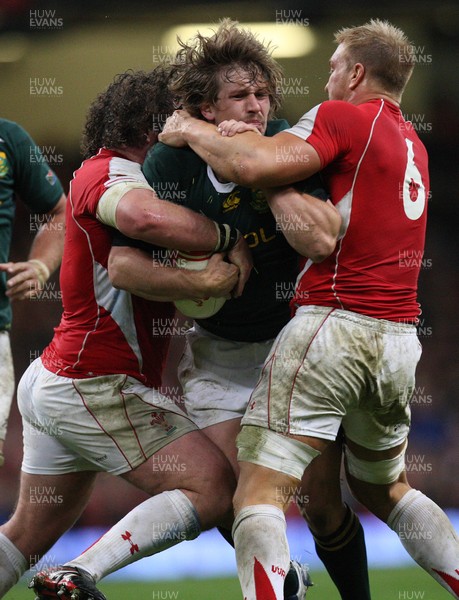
[(338, 56), (238, 79)]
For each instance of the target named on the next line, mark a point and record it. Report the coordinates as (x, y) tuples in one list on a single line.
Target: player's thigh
[(6, 386), (192, 462), (376, 431), (48, 505), (224, 436), (378, 478)]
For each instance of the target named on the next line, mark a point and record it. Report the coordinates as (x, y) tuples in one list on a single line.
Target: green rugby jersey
[(23, 173), (180, 176)]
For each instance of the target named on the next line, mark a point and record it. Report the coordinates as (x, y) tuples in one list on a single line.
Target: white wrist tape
[(43, 272)]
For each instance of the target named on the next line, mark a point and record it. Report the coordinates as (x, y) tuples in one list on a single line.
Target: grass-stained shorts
[(109, 423), (331, 367)]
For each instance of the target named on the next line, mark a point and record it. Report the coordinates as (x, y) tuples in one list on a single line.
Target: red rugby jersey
[(103, 330), (376, 170)]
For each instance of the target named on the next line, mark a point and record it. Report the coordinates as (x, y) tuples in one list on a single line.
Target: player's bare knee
[(323, 514)]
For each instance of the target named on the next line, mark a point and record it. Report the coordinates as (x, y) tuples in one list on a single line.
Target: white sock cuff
[(186, 512), (16, 558), (258, 510), (409, 498)]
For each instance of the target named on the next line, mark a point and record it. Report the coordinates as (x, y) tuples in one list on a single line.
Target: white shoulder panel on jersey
[(123, 170), (305, 125)]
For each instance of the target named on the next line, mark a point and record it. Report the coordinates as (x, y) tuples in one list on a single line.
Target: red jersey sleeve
[(328, 128)]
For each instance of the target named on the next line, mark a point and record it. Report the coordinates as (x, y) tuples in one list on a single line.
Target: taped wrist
[(227, 237), (41, 269)]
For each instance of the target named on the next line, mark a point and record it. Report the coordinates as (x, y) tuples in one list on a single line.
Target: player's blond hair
[(383, 49), (201, 62)]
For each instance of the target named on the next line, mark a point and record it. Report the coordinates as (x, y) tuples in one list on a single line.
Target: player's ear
[(357, 74), (208, 113)]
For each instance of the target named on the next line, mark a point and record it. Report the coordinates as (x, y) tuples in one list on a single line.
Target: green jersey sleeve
[(171, 173), (23, 171), (27, 172)]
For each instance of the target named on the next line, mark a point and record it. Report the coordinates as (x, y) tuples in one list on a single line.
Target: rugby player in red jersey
[(91, 403), (348, 357)]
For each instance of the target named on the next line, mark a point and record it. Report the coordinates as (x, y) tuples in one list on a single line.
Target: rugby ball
[(205, 307)]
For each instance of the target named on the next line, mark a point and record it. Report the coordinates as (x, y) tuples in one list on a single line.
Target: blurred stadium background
[(56, 56)]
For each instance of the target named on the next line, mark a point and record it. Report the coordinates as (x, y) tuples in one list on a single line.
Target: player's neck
[(134, 154), (219, 177), (373, 94)]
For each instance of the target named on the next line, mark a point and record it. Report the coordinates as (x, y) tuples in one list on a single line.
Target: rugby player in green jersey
[(231, 75), (24, 174)]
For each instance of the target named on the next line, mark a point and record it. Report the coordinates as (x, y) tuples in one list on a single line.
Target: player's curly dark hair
[(134, 105), (201, 62)]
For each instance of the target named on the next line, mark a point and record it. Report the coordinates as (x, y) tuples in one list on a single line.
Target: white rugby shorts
[(218, 375), (110, 423), (331, 367)]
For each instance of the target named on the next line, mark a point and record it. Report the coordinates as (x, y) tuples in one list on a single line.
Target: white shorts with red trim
[(331, 367), (110, 423)]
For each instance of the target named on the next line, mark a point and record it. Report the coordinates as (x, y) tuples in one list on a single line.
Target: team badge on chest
[(258, 201), (232, 201), (3, 164)]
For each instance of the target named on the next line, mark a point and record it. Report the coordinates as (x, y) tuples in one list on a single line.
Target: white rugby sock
[(262, 552), (12, 564), (429, 538), (156, 524)]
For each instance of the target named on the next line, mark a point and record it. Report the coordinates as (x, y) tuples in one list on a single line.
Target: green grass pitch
[(393, 584)]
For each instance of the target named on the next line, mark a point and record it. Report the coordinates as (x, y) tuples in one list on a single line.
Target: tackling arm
[(248, 159), (134, 270), (310, 225), (141, 215)]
